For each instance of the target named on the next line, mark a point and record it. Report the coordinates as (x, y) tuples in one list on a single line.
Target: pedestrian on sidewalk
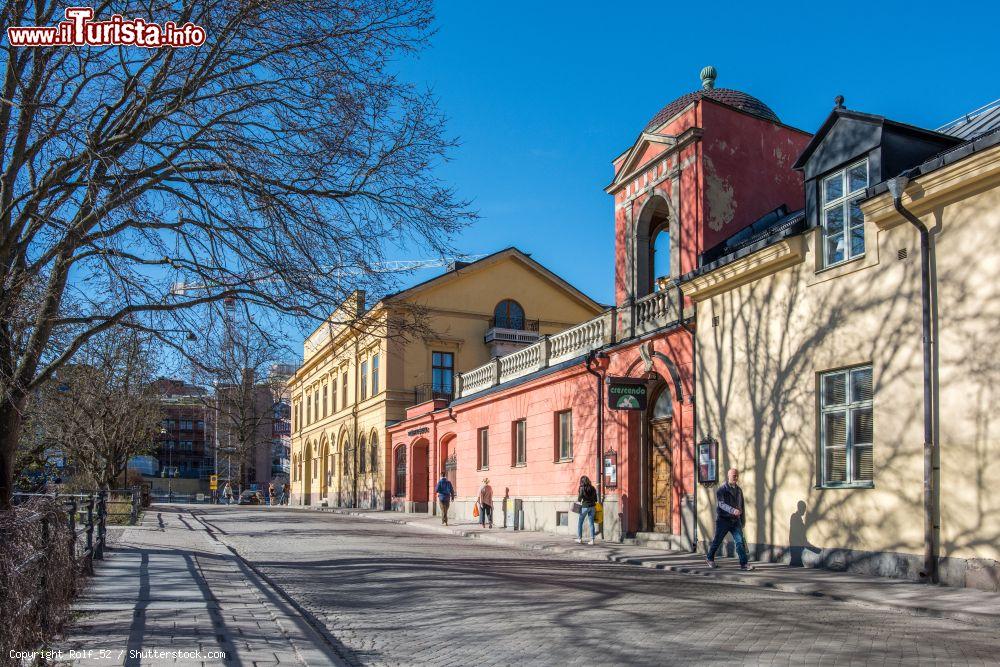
[(272, 495), (730, 517), (587, 497), (227, 493), (285, 489), (446, 493), (485, 503)]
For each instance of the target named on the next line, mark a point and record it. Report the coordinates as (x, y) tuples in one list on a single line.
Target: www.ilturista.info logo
[(79, 30)]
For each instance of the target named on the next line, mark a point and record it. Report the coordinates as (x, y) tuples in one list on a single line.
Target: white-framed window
[(843, 222), (520, 442), (564, 434), (846, 427), (375, 360), (364, 380), (483, 449)]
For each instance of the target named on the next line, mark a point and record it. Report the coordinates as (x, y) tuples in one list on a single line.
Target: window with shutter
[(846, 427)]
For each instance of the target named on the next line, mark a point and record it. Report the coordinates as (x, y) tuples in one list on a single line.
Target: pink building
[(708, 165)]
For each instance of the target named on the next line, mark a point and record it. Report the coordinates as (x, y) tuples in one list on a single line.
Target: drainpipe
[(596, 359), (896, 187), (694, 406)]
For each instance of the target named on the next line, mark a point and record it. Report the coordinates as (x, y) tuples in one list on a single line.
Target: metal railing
[(515, 323), (87, 516), (426, 392)]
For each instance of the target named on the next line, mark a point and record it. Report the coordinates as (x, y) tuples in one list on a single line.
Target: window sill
[(568, 460), (847, 485), (485, 468), (519, 465), (840, 264)]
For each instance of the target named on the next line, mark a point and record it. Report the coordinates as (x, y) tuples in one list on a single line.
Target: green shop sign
[(626, 394)]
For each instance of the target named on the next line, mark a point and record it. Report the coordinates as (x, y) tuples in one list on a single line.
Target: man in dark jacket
[(729, 518), (446, 493)]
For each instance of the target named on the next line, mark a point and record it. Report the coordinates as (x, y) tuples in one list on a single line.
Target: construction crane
[(181, 288)]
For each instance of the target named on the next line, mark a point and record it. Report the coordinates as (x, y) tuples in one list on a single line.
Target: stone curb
[(758, 580)]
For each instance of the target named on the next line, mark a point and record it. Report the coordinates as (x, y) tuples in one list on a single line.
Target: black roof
[(841, 112), (975, 123), (773, 227)]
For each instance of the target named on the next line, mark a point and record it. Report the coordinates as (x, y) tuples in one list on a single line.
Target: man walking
[(446, 493), (729, 518)]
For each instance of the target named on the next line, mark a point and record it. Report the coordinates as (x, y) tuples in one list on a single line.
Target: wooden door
[(660, 474)]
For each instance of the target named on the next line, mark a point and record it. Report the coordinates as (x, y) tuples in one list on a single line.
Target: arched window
[(508, 315), (660, 260), (652, 246), (400, 489), (374, 448), (346, 457), (664, 406), (362, 456)]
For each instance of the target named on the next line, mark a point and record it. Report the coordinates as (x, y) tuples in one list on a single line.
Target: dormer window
[(843, 222)]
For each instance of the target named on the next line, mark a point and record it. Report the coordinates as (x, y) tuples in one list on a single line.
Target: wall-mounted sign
[(626, 393), (419, 431), (708, 461), (610, 469)]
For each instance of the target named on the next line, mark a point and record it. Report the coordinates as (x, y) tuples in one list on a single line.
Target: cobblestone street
[(391, 594)]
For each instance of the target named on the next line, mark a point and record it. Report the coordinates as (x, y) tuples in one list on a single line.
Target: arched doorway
[(421, 476), (449, 459), (324, 483), (660, 463), (399, 472), (307, 475)]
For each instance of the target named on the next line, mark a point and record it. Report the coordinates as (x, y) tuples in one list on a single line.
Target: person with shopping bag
[(586, 498), (485, 503)]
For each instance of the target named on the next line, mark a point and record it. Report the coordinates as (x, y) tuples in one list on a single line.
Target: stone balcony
[(659, 310), (508, 335)]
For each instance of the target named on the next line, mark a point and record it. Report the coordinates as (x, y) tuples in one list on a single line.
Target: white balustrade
[(522, 362), (655, 310), (478, 378), (580, 339), (557, 348)]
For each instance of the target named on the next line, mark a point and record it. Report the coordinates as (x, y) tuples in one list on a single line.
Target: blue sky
[(543, 95)]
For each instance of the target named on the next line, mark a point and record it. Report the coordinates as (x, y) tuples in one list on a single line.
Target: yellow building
[(364, 366), (810, 363)]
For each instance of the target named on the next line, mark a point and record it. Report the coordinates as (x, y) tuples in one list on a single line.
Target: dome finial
[(708, 75), (838, 102)]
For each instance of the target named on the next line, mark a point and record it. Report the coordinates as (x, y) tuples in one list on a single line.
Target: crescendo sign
[(626, 393)]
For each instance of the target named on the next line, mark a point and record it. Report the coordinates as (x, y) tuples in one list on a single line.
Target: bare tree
[(100, 411), (235, 353), (272, 163)]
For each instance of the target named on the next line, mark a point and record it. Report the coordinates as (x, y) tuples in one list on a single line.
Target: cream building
[(810, 359), (364, 367)]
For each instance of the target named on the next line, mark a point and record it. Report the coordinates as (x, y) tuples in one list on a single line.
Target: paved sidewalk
[(964, 604), (170, 593)]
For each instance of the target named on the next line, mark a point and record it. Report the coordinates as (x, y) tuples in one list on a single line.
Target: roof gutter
[(930, 571)]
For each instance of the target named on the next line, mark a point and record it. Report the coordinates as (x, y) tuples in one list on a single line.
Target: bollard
[(134, 517)]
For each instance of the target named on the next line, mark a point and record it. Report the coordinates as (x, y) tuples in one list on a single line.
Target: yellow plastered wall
[(758, 367)]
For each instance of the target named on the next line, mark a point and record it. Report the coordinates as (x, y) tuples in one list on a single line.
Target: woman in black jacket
[(587, 497)]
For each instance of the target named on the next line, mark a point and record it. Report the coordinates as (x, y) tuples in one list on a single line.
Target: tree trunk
[(10, 429)]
